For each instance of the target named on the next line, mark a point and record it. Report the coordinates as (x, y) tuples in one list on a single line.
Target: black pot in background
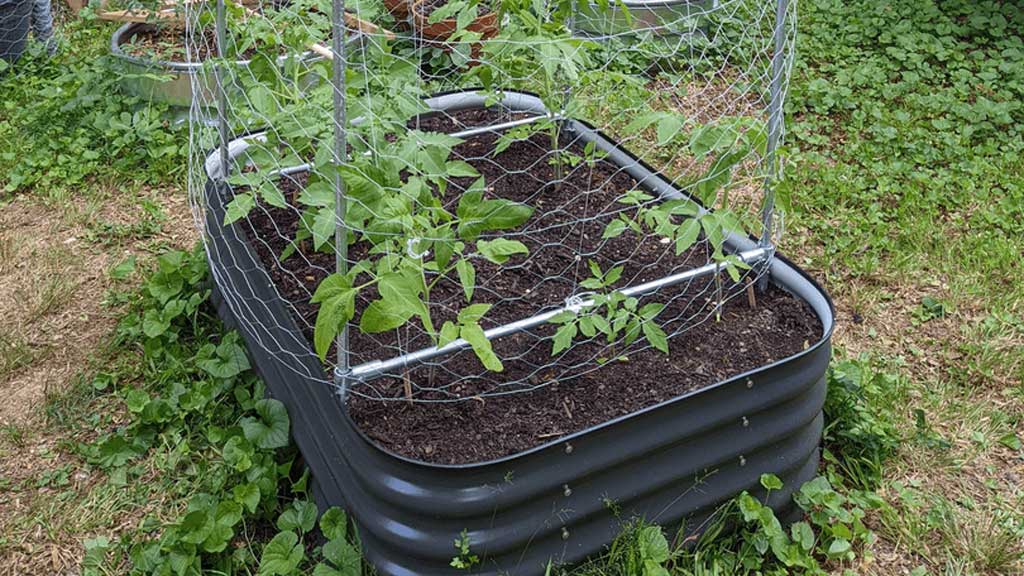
[(15, 16)]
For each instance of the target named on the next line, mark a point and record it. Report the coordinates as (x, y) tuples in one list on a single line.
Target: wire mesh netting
[(459, 199)]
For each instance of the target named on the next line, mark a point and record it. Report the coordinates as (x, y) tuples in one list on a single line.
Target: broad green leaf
[(563, 337), (461, 169), (473, 313), (653, 545), (195, 527), (686, 235), (655, 336), (344, 556), (270, 429), (282, 555), (239, 207), (380, 317), (238, 453), (499, 250), (803, 535), (337, 306), (668, 128), (467, 277), (334, 524), (614, 229), (247, 495), (474, 334), (771, 482), (301, 515)]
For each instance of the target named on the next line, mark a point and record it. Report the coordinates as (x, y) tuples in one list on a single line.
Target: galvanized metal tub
[(166, 82), (674, 463), (655, 17)]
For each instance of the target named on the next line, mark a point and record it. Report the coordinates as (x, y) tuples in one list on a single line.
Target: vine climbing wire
[(454, 199)]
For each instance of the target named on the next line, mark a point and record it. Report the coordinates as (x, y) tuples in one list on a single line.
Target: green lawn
[(904, 191)]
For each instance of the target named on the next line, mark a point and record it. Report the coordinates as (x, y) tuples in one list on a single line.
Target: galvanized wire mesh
[(414, 237)]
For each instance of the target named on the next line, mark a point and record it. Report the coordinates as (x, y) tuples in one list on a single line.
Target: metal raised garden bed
[(657, 17), (672, 463), (165, 82)]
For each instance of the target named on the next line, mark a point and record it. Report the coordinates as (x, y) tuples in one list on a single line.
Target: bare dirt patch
[(55, 265)]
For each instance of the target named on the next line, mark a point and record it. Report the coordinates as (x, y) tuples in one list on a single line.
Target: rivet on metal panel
[(568, 448), (566, 490), (743, 461), (746, 423), (750, 383), (565, 533)]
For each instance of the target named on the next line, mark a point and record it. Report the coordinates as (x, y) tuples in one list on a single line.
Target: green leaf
[(270, 430), (380, 317), (334, 524), (337, 301), (668, 128), (238, 453), (803, 535), (686, 235), (614, 229), (324, 224), (229, 359), (282, 555), (839, 547), (301, 515), (473, 313), (653, 545), (656, 336), (461, 169), (499, 250), (195, 527), (474, 334), (247, 495), (477, 215), (344, 556), (467, 277), (449, 332), (771, 482), (124, 269), (239, 207), (1011, 441), (563, 338)]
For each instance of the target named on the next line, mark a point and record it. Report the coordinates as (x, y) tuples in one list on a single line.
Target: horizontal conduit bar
[(375, 368)]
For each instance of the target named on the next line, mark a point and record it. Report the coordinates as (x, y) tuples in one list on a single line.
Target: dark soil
[(592, 382), (167, 44)]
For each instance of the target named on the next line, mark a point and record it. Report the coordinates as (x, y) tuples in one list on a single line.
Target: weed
[(15, 354)]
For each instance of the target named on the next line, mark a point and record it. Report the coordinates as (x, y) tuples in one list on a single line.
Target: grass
[(904, 187)]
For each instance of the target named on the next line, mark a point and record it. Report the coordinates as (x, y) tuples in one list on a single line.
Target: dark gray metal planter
[(14, 25), (672, 463)]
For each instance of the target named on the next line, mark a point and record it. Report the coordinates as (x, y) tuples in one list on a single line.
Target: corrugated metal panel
[(671, 463)]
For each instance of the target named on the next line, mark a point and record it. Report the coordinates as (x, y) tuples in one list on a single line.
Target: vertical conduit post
[(342, 369), (222, 95), (774, 133)]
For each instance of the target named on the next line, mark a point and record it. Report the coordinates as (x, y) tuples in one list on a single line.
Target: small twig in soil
[(751, 297), (550, 435)]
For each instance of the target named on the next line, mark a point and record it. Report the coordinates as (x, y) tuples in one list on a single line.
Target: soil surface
[(463, 413), (167, 44)]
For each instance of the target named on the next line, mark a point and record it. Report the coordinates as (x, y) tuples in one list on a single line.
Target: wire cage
[(465, 239)]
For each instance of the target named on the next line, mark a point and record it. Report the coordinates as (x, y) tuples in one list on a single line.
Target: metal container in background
[(170, 82), (15, 16), (672, 18)]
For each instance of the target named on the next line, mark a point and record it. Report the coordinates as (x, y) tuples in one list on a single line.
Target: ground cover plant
[(905, 200)]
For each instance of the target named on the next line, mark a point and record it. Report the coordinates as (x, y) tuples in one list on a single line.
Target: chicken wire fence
[(457, 199)]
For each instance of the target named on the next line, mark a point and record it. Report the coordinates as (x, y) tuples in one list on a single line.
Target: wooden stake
[(751, 296)]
